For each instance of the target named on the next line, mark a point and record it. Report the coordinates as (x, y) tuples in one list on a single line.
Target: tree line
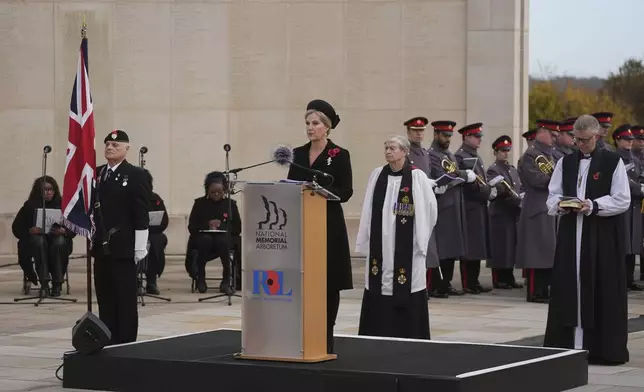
[(622, 93)]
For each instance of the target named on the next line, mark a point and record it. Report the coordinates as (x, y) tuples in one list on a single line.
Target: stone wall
[(184, 77)]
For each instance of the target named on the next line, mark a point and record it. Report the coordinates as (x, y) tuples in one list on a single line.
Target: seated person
[(49, 250), (210, 212), (158, 242)]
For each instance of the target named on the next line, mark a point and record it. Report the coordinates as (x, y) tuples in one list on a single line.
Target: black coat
[(124, 206), (158, 240), (336, 161), (205, 210)]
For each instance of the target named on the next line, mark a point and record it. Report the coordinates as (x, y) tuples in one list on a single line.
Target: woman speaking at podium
[(321, 154), (398, 216)]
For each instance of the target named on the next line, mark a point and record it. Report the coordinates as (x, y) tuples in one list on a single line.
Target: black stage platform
[(204, 361)]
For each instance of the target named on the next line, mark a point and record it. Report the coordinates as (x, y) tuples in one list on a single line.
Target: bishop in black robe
[(588, 309)]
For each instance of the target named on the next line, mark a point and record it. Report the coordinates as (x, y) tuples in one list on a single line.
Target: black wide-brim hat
[(327, 109)]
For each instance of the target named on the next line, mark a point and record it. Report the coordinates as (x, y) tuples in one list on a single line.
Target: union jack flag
[(80, 163)]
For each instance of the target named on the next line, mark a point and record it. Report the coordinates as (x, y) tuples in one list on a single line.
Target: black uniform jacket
[(123, 207)]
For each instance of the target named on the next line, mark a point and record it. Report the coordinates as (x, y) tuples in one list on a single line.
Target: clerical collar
[(391, 171), (582, 155)]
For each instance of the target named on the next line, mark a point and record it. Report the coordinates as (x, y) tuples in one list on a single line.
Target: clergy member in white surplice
[(588, 307), (398, 216)]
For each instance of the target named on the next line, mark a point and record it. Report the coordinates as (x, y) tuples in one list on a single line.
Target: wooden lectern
[(284, 272)]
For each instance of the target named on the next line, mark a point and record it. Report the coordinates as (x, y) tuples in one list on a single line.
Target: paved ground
[(33, 339)]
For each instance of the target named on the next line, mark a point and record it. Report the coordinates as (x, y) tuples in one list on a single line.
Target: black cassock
[(594, 316)]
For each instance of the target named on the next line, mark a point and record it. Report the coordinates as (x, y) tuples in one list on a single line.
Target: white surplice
[(616, 203), (425, 215)]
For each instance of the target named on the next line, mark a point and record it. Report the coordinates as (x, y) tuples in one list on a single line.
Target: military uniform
[(504, 217), (451, 235), (638, 133), (560, 149), (476, 196), (606, 121), (419, 157), (536, 230), (632, 217), (553, 127), (121, 216)]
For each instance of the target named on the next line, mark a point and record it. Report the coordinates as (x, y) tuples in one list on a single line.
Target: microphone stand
[(232, 273), (43, 276), (143, 264)]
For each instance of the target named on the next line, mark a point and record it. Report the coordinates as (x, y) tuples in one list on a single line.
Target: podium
[(284, 272)]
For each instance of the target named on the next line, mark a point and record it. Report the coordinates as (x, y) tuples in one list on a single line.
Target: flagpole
[(88, 244)]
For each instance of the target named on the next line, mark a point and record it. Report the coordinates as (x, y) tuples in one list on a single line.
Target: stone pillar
[(497, 71)]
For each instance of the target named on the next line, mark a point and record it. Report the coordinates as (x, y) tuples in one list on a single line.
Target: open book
[(53, 216), (156, 217), (448, 179)]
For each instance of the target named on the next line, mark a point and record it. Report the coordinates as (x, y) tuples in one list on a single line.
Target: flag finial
[(84, 28)]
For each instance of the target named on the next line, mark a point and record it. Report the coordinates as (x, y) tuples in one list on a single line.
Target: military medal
[(374, 269), (402, 278)]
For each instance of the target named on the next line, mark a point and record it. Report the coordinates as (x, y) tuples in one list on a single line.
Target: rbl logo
[(270, 282)]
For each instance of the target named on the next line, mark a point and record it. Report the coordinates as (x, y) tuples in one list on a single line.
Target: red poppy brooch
[(332, 154), (225, 216), (596, 176)]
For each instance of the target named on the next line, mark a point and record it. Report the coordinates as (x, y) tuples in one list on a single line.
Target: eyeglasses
[(578, 139)]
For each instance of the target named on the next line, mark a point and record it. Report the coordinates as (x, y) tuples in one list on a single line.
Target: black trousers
[(630, 270), (470, 272), (156, 257), (538, 282), (51, 256), (434, 276), (332, 306), (209, 247), (116, 288), (503, 275)]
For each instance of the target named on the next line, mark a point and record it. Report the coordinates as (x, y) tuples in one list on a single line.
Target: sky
[(584, 38)]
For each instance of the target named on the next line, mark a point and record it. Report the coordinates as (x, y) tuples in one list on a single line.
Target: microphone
[(143, 150), (47, 149), (283, 156), (227, 148)]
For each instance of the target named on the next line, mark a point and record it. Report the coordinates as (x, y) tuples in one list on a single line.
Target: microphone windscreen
[(283, 155)]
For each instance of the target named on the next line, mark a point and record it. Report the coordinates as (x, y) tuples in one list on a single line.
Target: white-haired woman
[(321, 154), (398, 215)]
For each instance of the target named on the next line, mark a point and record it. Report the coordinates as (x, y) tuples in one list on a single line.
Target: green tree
[(547, 101), (627, 86)]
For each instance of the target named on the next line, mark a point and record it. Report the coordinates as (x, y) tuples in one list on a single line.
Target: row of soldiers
[(500, 214)]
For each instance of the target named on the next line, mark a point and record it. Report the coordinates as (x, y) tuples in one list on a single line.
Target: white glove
[(439, 190), (642, 188), (471, 176), (140, 245), (522, 194), (493, 193)]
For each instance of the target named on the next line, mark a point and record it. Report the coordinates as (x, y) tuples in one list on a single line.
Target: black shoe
[(634, 287), (538, 300), (502, 286), (474, 291), (453, 291), (438, 294), (56, 289), (152, 288), (225, 288), (516, 285), (482, 289), (201, 285)]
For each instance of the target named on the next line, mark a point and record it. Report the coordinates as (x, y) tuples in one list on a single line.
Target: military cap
[(530, 134), (638, 131), (117, 136), (326, 108), (567, 124), (444, 126), (416, 123), (548, 124), (605, 118), (623, 132), (475, 129), (503, 143)]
